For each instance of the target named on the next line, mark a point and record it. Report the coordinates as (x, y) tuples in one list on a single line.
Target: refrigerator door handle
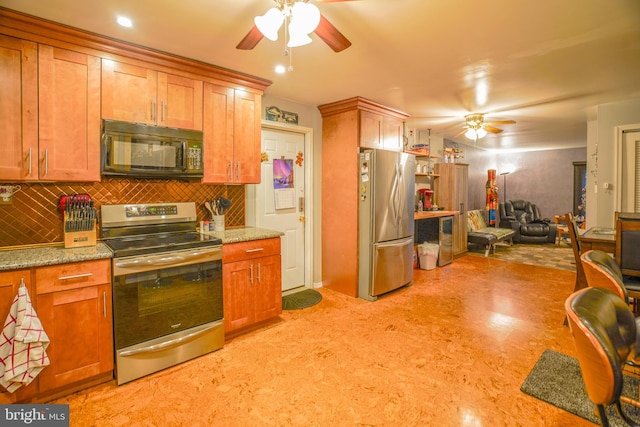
[(395, 196), (400, 205)]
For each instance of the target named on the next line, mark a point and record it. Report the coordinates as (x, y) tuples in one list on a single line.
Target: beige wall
[(602, 131)]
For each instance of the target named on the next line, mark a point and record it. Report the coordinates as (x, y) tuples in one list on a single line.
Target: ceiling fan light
[(481, 133), (297, 36), (270, 23), (471, 134), (305, 15)]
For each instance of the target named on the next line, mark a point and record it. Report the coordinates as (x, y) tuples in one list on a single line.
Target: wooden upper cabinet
[(378, 131), (19, 107), (393, 133), (371, 130), (179, 102), (52, 128), (218, 133), (247, 137), (232, 133), (133, 93), (69, 115)]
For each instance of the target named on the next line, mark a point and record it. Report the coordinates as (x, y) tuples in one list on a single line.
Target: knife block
[(78, 239)]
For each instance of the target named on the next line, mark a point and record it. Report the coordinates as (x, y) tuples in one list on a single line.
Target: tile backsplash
[(33, 217)]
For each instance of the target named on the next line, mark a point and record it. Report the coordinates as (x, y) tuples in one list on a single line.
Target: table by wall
[(598, 238)]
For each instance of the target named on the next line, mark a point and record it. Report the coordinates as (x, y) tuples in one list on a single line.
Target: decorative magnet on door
[(299, 158), (264, 157)]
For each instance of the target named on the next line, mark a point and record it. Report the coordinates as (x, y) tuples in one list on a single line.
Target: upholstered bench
[(479, 232)]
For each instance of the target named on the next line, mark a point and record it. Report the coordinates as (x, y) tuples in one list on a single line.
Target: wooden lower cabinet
[(252, 283), (78, 323), (73, 303), (9, 284)]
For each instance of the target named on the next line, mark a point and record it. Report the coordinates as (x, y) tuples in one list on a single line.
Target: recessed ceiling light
[(124, 21), (280, 69)]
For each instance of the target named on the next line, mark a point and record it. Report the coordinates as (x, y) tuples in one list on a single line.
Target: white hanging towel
[(22, 344)]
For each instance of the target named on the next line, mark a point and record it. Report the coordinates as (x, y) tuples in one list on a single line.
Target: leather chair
[(628, 243), (581, 279), (525, 219), (602, 271), (605, 333)]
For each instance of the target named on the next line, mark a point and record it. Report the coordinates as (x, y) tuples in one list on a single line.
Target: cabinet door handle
[(75, 276), (251, 273), (163, 117), (248, 251), (46, 161), (238, 171), (104, 304), (153, 109), (230, 171), (30, 164), (259, 280)]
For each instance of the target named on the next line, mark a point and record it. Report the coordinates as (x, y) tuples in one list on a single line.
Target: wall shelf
[(422, 152)]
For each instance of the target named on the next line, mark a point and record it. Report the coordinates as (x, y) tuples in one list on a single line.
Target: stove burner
[(148, 244), (142, 229)]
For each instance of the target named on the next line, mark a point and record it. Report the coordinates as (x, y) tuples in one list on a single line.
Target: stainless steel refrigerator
[(386, 223)]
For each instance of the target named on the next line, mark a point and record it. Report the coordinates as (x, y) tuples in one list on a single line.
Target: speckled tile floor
[(451, 350)]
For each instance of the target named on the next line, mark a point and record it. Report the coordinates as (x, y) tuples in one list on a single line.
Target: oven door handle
[(167, 344), (160, 260), (169, 259)]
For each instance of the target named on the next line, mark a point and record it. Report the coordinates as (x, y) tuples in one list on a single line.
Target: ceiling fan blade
[(331, 36), (460, 133), (501, 122), (491, 129), (251, 39)]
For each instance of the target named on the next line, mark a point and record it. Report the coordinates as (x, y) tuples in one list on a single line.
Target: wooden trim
[(359, 103), (42, 31)]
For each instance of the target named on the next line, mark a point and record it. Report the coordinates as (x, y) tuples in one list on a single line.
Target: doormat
[(556, 379), (302, 299)]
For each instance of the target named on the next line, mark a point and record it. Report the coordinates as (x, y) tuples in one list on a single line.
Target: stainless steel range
[(167, 286)]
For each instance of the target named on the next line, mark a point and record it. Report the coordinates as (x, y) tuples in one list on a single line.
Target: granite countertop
[(18, 257), (245, 234)]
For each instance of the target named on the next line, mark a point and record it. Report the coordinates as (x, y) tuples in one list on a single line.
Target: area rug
[(302, 299), (556, 379), (544, 254)]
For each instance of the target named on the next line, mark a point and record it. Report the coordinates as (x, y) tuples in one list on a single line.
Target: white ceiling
[(544, 63)]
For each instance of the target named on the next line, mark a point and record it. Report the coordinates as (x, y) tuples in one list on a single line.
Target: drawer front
[(72, 276), (233, 252)]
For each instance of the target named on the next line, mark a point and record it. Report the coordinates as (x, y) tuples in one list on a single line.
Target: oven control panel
[(150, 210)]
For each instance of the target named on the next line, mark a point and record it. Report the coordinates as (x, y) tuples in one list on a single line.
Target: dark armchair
[(525, 219)]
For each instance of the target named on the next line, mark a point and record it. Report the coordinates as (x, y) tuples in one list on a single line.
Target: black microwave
[(144, 151)]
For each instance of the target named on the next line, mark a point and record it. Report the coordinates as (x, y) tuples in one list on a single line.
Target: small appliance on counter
[(425, 195)]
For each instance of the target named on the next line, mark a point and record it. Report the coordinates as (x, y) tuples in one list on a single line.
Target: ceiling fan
[(475, 127), (325, 29)]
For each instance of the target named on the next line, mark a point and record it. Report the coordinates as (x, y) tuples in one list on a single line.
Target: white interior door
[(630, 161), (288, 214)]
